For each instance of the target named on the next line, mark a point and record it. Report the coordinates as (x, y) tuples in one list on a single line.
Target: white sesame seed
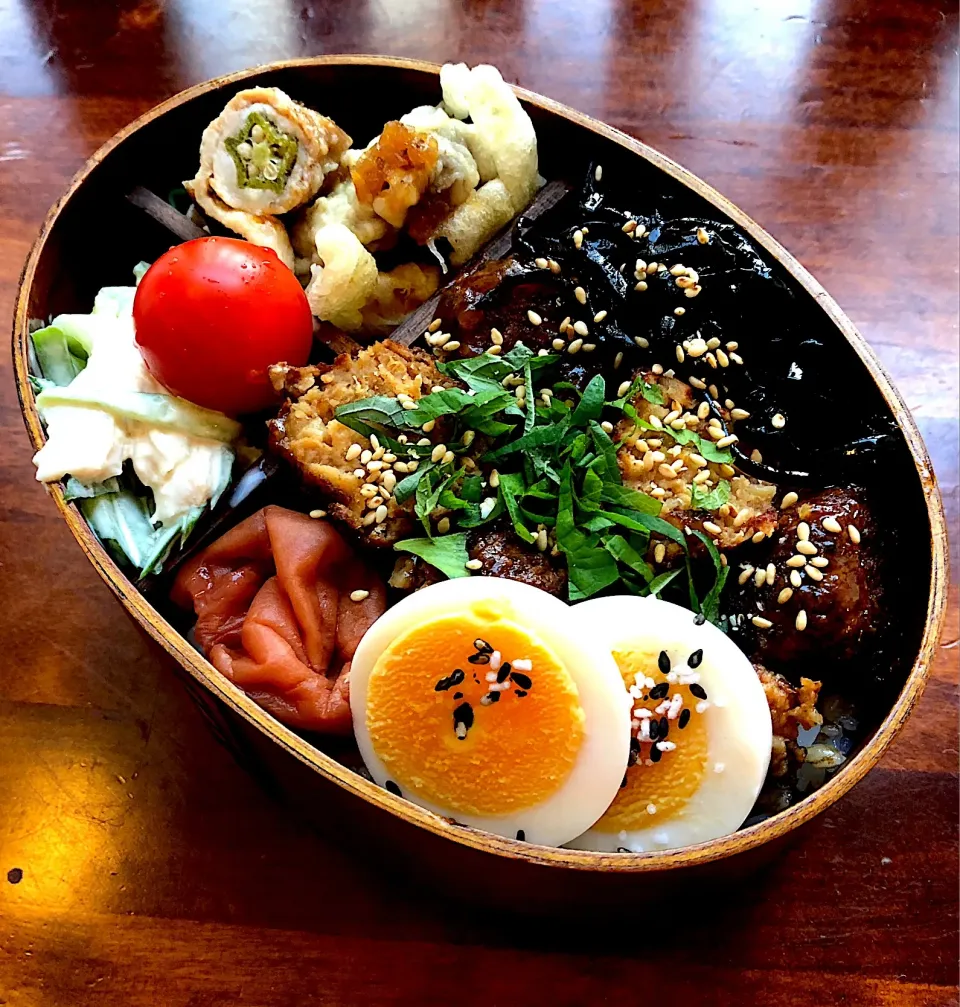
[(607, 426), (600, 316), (642, 342), (739, 414), (702, 236), (659, 552), (789, 499), (352, 452), (598, 172), (577, 238), (758, 537), (495, 351), (813, 573), (443, 525), (801, 622), (796, 578), (381, 514), (559, 344), (779, 421), (438, 452), (369, 518), (451, 346), (832, 525), (803, 531), (854, 532), (359, 595), (641, 286), (797, 562), (360, 473), (580, 328), (784, 596), (678, 312), (589, 347), (448, 457), (760, 577), (574, 346), (317, 514), (722, 359), (819, 562), (725, 442), (428, 426), (760, 622), (629, 227), (542, 540), (678, 270), (554, 266), (618, 360), (434, 325), (806, 549), (375, 465), (692, 291), (745, 575), (771, 574), (580, 294), (623, 389), (533, 317)]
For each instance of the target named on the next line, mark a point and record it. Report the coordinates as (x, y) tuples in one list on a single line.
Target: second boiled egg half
[(700, 728)]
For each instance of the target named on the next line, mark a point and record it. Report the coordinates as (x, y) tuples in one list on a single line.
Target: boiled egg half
[(700, 727), (482, 701)]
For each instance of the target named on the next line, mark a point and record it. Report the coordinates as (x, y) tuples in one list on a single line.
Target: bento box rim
[(161, 631)]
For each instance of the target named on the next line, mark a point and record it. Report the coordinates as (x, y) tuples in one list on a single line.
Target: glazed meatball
[(826, 595)]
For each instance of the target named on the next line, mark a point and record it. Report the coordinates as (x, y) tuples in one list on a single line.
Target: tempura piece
[(456, 173), (344, 280), (488, 209), (503, 139), (260, 229), (398, 292), (282, 603), (339, 206), (266, 154)]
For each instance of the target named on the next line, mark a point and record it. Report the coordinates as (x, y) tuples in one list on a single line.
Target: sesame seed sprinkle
[(789, 499), (359, 595)]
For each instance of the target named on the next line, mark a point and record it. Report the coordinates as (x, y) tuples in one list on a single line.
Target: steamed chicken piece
[(321, 448), (282, 603), (264, 155)]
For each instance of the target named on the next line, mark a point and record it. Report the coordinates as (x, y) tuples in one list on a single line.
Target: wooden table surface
[(140, 866)]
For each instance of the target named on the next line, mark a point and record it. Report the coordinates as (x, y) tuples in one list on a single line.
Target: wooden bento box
[(61, 275)]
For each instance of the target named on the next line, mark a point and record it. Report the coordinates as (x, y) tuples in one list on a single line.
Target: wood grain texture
[(155, 871)]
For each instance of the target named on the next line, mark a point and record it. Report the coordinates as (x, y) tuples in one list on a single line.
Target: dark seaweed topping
[(518, 678), (695, 658), (503, 673), (655, 754), (463, 714), (698, 691), (663, 662), (520, 692), (450, 681), (660, 691), (684, 719), (393, 788), (479, 658), (521, 835)]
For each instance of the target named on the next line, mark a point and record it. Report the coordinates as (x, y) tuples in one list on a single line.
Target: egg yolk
[(445, 727), (665, 786)]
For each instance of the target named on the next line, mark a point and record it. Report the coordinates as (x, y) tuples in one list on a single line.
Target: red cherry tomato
[(213, 314)]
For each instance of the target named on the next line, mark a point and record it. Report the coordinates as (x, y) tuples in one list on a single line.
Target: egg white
[(737, 722), (601, 761)]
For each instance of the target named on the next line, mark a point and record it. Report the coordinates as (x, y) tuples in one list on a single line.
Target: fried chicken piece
[(828, 604), (790, 709), (657, 463), (306, 434)]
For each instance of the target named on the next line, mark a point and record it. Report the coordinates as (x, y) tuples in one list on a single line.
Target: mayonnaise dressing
[(90, 444)]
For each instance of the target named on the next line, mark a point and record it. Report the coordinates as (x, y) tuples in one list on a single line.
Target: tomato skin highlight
[(211, 315)]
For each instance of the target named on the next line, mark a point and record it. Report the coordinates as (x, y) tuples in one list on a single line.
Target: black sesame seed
[(503, 673), (655, 754), (520, 692), (463, 714), (698, 691), (663, 662), (660, 691), (684, 719), (518, 678), (695, 658), (482, 646), (521, 835), (664, 728), (479, 658), (699, 619), (490, 697), (450, 681), (393, 788), (458, 695), (15, 875)]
